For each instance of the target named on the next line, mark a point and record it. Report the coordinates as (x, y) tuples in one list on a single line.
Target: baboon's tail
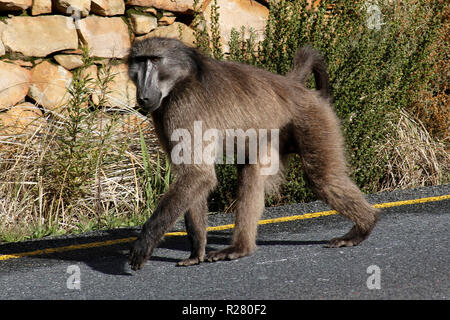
[(307, 60)]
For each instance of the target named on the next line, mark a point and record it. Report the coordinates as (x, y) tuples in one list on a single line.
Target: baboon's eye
[(154, 59)]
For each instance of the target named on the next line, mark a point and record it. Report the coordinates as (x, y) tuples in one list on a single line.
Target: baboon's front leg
[(195, 220), (181, 195), (250, 206)]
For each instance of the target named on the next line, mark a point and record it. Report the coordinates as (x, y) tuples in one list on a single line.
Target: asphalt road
[(406, 257)]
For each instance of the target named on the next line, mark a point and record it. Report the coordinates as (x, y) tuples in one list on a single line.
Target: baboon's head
[(156, 66)]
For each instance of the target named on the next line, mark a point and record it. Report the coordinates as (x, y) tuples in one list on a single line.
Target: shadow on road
[(96, 258)]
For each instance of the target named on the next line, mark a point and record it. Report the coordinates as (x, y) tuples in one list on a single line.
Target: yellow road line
[(413, 201), (66, 248), (217, 228)]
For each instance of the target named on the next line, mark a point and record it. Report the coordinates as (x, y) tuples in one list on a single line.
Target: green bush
[(376, 54)]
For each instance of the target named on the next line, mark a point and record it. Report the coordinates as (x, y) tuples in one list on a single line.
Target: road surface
[(406, 257)]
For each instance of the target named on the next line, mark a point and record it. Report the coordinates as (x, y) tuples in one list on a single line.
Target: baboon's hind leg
[(195, 221), (250, 206), (322, 153), (342, 195)]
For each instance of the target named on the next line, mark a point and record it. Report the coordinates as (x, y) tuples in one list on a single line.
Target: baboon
[(178, 85)]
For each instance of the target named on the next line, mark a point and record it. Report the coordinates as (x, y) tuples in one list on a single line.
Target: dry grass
[(414, 158), (55, 180)]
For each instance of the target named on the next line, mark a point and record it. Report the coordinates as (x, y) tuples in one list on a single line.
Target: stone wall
[(42, 41)]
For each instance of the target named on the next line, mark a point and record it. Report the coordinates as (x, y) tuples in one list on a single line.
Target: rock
[(153, 11), (20, 63), (39, 36), (14, 5), (108, 7), (166, 20), (2, 48), (237, 13), (14, 84), (122, 91), (49, 84), (105, 37), (41, 7), (173, 31), (91, 73), (142, 24), (266, 2), (72, 51), (180, 6), (69, 61), (23, 118), (74, 8)]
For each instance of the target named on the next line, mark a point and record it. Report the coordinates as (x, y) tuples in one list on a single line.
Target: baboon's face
[(156, 65)]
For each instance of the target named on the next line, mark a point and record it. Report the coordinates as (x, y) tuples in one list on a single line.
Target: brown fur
[(232, 95)]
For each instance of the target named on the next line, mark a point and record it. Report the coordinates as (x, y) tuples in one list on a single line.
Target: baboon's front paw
[(190, 262), (140, 253), (229, 253)]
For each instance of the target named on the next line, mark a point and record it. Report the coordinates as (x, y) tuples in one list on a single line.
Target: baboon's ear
[(198, 63)]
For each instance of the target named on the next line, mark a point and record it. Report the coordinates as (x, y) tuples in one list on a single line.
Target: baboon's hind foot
[(352, 238)]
